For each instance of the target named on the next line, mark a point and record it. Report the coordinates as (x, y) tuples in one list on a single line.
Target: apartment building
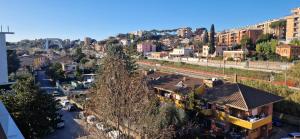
[(146, 47), (288, 51), (267, 29), (185, 32), (293, 25), (234, 37), (240, 110)]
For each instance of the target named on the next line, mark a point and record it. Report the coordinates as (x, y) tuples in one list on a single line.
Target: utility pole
[(285, 74), (224, 62)]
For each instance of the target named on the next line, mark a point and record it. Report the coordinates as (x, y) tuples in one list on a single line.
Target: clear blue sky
[(74, 19)]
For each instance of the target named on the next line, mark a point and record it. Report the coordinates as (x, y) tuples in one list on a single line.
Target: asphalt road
[(73, 127)]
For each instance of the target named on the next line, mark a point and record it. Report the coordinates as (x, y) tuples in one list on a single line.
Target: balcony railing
[(243, 123)]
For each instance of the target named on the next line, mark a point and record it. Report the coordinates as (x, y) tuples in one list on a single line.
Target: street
[(73, 127)]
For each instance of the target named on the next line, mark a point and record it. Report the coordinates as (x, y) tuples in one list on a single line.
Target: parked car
[(55, 93), (115, 134), (103, 127), (81, 115), (91, 119), (60, 124), (65, 102), (71, 107), (294, 135)]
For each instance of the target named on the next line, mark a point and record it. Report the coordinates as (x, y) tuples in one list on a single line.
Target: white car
[(91, 119), (65, 102), (115, 134)]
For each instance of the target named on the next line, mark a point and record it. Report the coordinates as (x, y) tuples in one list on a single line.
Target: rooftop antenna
[(7, 28), (1, 28)]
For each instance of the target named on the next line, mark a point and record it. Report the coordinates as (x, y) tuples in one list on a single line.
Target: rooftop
[(240, 96)]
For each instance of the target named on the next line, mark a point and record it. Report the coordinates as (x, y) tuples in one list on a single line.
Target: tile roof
[(173, 82), (240, 96)]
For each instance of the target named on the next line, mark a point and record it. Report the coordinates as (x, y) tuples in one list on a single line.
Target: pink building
[(146, 47)]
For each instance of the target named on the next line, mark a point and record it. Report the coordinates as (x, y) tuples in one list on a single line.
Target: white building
[(180, 52), (125, 42), (3, 58), (218, 51)]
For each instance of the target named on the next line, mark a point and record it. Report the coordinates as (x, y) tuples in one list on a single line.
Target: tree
[(120, 94), (13, 61), (212, 40), (55, 71), (267, 49), (264, 38), (294, 72), (246, 42), (78, 55), (295, 42), (205, 37), (34, 112), (278, 26)]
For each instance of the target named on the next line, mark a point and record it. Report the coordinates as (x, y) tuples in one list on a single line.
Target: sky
[(99, 19)]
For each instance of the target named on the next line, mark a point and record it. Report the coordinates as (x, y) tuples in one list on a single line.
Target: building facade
[(146, 47), (293, 25), (3, 57), (185, 32), (234, 37), (181, 52), (288, 51)]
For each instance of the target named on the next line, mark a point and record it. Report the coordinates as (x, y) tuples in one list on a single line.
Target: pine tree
[(34, 112), (212, 40)]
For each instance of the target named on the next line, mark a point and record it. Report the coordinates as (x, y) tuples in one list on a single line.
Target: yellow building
[(245, 109), (292, 25)]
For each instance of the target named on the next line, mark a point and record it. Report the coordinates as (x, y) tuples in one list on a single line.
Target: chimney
[(235, 80)]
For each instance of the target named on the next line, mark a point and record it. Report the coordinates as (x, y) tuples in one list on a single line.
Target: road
[(73, 128)]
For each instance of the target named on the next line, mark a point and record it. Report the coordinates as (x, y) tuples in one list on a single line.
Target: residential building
[(146, 47), (218, 51), (159, 54), (139, 33), (265, 27), (185, 32), (174, 87), (234, 37), (288, 51), (125, 42), (293, 25), (181, 52), (246, 111), (199, 31), (168, 42), (237, 55), (100, 47), (69, 67), (87, 41), (185, 41)]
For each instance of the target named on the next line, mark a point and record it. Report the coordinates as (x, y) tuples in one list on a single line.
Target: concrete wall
[(3, 60)]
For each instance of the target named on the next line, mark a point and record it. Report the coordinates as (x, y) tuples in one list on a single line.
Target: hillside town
[(240, 83)]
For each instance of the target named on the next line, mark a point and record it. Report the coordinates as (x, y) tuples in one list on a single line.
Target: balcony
[(243, 123)]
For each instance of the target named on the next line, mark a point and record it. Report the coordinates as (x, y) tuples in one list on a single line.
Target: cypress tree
[(212, 39)]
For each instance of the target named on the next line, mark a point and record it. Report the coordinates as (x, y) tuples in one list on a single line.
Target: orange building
[(234, 37), (288, 51)]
